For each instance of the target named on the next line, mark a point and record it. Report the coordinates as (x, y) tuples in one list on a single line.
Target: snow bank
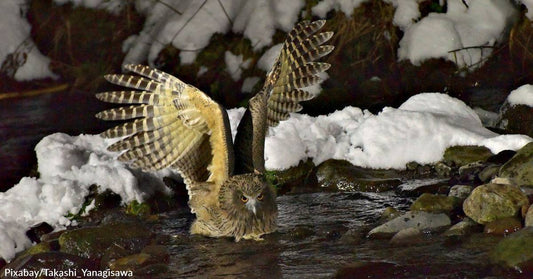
[(68, 167), (463, 35), (419, 130), (521, 96), (16, 42)]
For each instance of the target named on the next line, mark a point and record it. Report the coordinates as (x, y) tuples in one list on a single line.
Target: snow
[(235, 64), (113, 6), (406, 12), (16, 41), (521, 96), (419, 130), (346, 6), (268, 58), (463, 35), (529, 6), (68, 167)]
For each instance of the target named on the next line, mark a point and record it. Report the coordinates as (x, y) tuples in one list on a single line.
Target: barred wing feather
[(173, 125)]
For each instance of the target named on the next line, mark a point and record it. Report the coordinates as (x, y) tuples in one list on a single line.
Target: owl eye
[(260, 197), (244, 199)]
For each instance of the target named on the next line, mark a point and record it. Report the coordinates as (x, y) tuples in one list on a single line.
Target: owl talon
[(253, 237)]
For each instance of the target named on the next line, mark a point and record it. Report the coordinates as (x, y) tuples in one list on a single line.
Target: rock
[(502, 157), (131, 262), (470, 171), (420, 220), (515, 251), (37, 231), (465, 227), (45, 246), (92, 242), (343, 176), (415, 188), (529, 217), (442, 169), (296, 179), (65, 265), (435, 203), (488, 173), (517, 119), (463, 155), (460, 191), (389, 213), (489, 202), (407, 236), (520, 168), (503, 226)]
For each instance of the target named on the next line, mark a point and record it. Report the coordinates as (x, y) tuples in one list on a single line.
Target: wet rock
[(460, 191), (296, 179), (465, 227), (420, 220), (515, 251), (64, 265), (131, 262), (389, 213), (502, 157), (503, 226), (488, 173), (45, 246), (36, 232), (407, 236), (435, 203), (417, 188), (301, 232), (92, 242), (517, 119), (352, 237), (111, 254), (52, 236), (152, 269), (343, 176), (529, 217), (463, 155), (159, 252), (489, 202), (442, 169), (470, 171), (520, 168)]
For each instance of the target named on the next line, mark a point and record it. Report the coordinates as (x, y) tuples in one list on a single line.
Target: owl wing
[(173, 125), (294, 69)]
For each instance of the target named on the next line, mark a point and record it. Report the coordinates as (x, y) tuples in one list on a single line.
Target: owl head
[(249, 202)]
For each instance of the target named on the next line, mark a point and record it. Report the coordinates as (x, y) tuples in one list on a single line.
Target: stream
[(320, 234)]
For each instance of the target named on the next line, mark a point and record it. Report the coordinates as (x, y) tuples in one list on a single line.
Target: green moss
[(138, 209)]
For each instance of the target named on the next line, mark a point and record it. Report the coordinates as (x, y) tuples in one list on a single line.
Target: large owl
[(178, 126)]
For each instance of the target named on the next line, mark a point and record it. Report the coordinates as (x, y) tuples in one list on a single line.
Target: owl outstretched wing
[(294, 69), (173, 125)]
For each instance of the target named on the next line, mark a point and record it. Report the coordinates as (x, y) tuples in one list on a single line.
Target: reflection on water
[(25, 121), (313, 241)]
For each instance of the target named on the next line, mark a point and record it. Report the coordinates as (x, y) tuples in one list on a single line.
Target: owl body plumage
[(174, 124)]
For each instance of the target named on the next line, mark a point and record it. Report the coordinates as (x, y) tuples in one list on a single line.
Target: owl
[(173, 124)]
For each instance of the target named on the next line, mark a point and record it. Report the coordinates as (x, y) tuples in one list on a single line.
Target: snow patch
[(523, 95)]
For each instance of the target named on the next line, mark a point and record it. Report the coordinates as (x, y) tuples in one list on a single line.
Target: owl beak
[(251, 205)]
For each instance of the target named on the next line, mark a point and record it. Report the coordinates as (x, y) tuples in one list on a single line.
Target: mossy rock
[(520, 168), (343, 176), (463, 155), (92, 242), (301, 176), (515, 251), (59, 261), (517, 119), (435, 203), (489, 202)]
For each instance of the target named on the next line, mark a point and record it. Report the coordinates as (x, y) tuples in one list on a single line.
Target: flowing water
[(320, 234)]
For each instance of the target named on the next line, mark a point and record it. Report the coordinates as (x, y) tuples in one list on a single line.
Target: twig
[(53, 89), (188, 20), (226, 13), (170, 7)]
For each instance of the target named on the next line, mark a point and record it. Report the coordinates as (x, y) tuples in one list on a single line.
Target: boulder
[(92, 242), (489, 202), (435, 203), (520, 168), (463, 155), (515, 251), (503, 226), (460, 191), (343, 176), (419, 220)]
